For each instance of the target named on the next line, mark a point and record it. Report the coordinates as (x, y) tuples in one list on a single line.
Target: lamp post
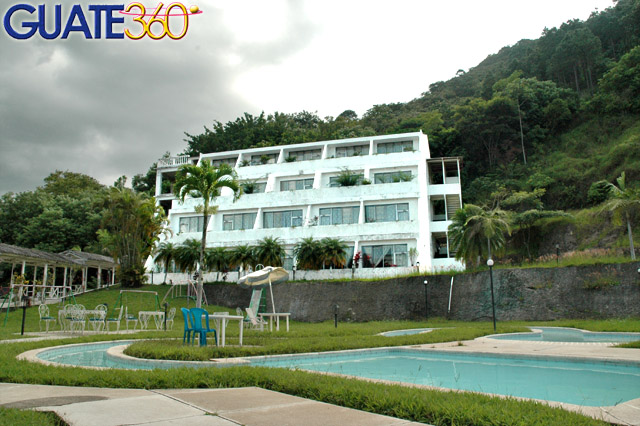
[(294, 271), (426, 300), (418, 266), (493, 303), (557, 254)]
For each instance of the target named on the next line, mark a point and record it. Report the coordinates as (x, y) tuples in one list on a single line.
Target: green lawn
[(435, 407)]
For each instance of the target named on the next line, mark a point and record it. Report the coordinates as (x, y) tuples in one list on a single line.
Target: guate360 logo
[(22, 21)]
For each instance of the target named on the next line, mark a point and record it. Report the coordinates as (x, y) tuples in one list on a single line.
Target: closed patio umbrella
[(264, 277)]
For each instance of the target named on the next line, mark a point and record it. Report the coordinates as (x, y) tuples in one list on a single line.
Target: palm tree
[(243, 256), (217, 259), (308, 253), (165, 254), (269, 252), (334, 252), (187, 255), (205, 181), (472, 227), (623, 202)]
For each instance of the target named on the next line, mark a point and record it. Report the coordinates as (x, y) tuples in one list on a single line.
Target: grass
[(15, 417), (421, 405)]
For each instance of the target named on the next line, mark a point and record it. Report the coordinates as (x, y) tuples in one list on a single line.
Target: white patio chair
[(115, 320), (130, 318), (98, 318), (43, 311), (170, 317), (255, 321), (77, 318)]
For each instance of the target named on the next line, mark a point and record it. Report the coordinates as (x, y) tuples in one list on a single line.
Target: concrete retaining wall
[(604, 291)]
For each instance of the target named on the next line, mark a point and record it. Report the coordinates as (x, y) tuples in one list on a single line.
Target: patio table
[(145, 316), (276, 315), (221, 321)]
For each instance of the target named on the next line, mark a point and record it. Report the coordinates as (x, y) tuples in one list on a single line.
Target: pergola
[(43, 284)]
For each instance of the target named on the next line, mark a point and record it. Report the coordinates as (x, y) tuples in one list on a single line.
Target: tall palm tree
[(474, 229), (334, 252), (187, 255), (308, 253), (243, 257), (205, 181), (269, 252), (165, 254), (623, 202), (217, 259)]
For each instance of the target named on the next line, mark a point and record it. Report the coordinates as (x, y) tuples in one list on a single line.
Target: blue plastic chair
[(197, 314), (188, 327)]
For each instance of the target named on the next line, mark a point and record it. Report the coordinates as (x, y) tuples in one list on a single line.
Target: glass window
[(305, 155), (234, 222), (282, 219), (230, 161), (351, 151), (391, 177), (438, 209), (251, 187), (296, 185), (263, 159), (387, 213), (339, 215), (385, 256), (191, 224), (391, 147), (333, 180)]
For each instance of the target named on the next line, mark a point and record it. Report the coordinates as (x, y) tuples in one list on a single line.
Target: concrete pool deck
[(199, 407)]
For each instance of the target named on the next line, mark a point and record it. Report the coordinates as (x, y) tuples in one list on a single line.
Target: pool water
[(406, 332), (582, 382), (589, 383), (559, 334)]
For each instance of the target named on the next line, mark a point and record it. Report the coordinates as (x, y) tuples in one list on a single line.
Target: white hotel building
[(399, 220)]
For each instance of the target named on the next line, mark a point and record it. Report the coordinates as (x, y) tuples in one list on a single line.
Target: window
[(234, 222), (351, 151), (393, 177), (339, 215), (263, 159), (385, 256), (191, 224), (387, 213), (438, 209), (440, 246), (283, 219), (311, 154), (390, 147), (296, 185), (230, 161), (254, 187)]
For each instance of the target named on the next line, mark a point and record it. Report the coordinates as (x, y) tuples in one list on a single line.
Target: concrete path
[(199, 407)]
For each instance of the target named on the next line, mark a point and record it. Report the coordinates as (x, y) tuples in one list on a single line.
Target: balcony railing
[(175, 161)]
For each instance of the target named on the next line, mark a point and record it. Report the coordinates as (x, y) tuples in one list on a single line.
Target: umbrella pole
[(273, 304)]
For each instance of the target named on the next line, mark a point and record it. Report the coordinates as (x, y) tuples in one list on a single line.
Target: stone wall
[(603, 291)]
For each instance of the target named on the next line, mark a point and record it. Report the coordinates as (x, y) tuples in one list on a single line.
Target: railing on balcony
[(174, 161)]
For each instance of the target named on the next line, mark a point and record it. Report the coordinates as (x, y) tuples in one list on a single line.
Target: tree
[(242, 256), (475, 231), (165, 254), (623, 202), (217, 259), (205, 181), (131, 226), (308, 253), (269, 252), (333, 252), (188, 255)]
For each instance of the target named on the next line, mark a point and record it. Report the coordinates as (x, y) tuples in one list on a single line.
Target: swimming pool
[(581, 382), (561, 334), (406, 332)]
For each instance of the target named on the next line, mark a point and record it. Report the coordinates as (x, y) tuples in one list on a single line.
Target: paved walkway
[(199, 407)]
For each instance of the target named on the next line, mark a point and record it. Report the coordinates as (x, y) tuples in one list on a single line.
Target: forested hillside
[(558, 113)]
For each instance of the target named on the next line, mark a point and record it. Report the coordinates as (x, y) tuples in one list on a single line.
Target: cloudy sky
[(112, 107)]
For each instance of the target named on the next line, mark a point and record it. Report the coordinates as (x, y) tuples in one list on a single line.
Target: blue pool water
[(406, 332), (589, 383), (559, 334), (582, 382)]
